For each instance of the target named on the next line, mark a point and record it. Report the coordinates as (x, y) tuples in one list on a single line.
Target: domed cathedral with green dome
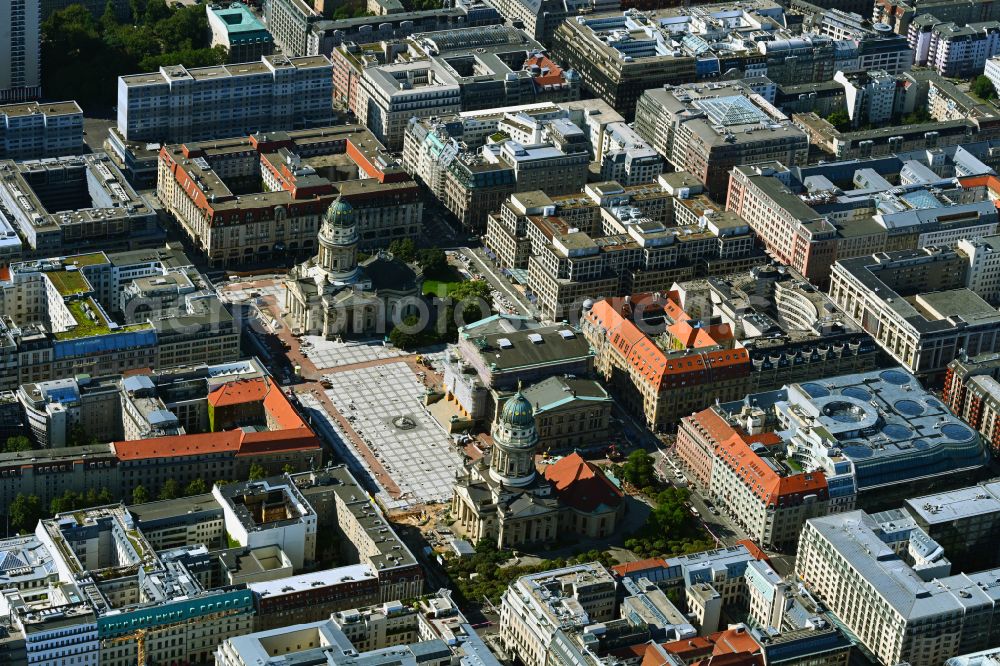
[(503, 498), (335, 295)]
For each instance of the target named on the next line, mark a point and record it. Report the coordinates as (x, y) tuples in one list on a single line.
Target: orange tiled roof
[(651, 363), (553, 77), (237, 441), (627, 568), (754, 549), (763, 481), (582, 484), (992, 183), (718, 428), (179, 445), (239, 392), (281, 411), (691, 334), (297, 439), (735, 640)]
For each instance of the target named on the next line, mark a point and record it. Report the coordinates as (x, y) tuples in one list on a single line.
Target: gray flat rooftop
[(958, 504)]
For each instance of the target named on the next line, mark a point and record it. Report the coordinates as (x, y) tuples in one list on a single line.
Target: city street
[(489, 271)]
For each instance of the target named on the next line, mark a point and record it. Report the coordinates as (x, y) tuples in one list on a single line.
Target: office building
[(916, 305), (33, 130), (538, 607), (435, 632), (870, 97), (540, 19), (97, 314), (708, 130), (888, 141), (286, 182), (20, 50), (898, 15), (176, 104), (963, 521), (619, 56), (627, 158), (70, 204), (890, 585), (472, 163), (236, 28), (811, 217), (439, 73), (324, 35), (493, 356), (951, 49), (613, 240)]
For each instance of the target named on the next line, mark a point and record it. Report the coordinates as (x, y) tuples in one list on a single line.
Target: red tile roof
[(991, 183), (735, 640), (654, 365), (553, 77), (240, 392), (289, 432), (754, 549), (179, 445), (281, 411), (581, 484), (730, 642), (763, 481), (691, 334), (627, 568)]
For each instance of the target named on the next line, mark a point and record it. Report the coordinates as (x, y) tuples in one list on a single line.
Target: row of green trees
[(482, 575), (82, 57), (26, 510)]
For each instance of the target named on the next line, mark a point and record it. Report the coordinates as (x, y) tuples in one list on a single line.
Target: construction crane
[(139, 635)]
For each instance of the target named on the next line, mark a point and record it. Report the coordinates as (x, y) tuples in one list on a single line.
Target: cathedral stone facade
[(503, 498), (333, 294)]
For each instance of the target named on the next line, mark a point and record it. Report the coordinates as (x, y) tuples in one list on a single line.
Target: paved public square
[(327, 354), (241, 291), (384, 405)]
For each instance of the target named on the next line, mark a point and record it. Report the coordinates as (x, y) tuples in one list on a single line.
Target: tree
[(140, 495), (405, 337), (403, 249), (287, 469), (17, 443), (25, 512), (433, 261), (638, 469), (475, 299), (983, 88), (257, 472), (196, 487), (839, 119), (169, 489), (68, 501)]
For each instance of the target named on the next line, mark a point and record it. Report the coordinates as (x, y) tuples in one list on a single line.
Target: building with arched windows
[(334, 294), (504, 498)]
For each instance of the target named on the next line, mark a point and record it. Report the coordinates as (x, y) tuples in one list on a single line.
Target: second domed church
[(502, 497)]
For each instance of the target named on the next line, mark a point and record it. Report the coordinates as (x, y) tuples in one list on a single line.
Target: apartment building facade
[(176, 104)]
